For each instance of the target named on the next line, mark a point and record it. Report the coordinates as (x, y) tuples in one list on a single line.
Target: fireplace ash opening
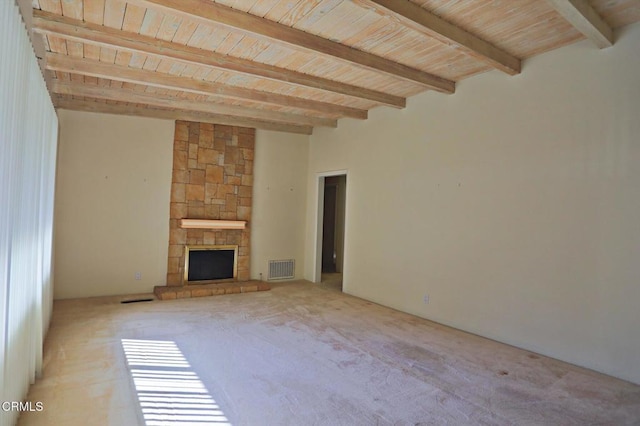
[(210, 263)]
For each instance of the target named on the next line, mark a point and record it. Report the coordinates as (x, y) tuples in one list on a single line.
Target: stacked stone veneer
[(212, 179)]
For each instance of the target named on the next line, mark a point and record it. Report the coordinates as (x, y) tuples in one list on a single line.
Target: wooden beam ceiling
[(585, 19), (449, 34), (176, 114), (207, 12), (158, 100), (87, 67), (292, 65), (84, 32)]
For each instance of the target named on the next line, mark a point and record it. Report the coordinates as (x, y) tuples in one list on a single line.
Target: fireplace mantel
[(212, 224)]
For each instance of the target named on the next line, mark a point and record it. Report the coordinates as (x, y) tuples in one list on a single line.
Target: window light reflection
[(169, 392)]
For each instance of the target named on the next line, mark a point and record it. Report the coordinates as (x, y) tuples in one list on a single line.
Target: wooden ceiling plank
[(91, 51), (150, 23), (247, 48), (151, 64), (585, 19), (177, 68), (75, 78), (168, 28), (450, 34), (190, 71), (133, 18), (262, 7), (123, 58), (63, 63), (165, 101), (202, 33), (71, 29), (213, 74), (75, 49), (47, 46), (72, 9), (97, 106), (137, 59), (229, 43), (298, 12), (208, 12), (165, 67), (341, 18), (56, 44), (184, 33), (285, 11), (94, 11), (114, 11), (53, 6), (316, 11), (108, 55)]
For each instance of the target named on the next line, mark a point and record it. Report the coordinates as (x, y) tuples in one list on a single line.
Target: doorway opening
[(332, 189)]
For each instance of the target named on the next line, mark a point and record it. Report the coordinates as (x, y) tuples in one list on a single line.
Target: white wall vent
[(282, 269)]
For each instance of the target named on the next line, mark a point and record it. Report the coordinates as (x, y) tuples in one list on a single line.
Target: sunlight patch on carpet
[(169, 391)]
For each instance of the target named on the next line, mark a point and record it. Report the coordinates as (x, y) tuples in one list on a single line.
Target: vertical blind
[(28, 141)]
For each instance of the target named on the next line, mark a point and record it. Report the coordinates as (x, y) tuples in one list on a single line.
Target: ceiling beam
[(87, 67), (171, 102), (447, 33), (85, 32), (585, 19), (207, 12), (167, 114)]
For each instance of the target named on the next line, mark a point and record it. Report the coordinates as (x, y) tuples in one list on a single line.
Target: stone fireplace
[(213, 181)]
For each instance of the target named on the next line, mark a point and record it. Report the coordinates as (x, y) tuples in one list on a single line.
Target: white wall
[(514, 204), (279, 200), (112, 204)]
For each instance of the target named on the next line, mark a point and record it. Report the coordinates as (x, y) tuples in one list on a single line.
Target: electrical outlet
[(425, 299), (138, 276)]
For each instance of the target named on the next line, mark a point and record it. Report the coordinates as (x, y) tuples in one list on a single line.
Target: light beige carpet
[(301, 354)]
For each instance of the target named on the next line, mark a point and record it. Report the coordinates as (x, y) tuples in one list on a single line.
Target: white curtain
[(28, 142)]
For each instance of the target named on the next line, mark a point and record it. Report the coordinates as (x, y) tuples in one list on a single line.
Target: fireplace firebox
[(206, 263)]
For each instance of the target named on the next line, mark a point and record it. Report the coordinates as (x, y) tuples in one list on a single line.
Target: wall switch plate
[(138, 276), (425, 299)]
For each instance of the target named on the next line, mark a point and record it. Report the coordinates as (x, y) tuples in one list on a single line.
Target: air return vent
[(281, 269)]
